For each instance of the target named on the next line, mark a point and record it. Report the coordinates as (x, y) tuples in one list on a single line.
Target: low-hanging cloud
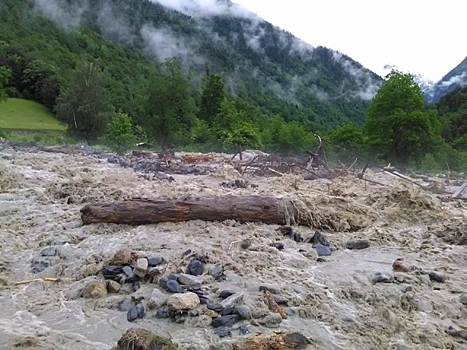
[(68, 15), (368, 87), (205, 8), (460, 79), (164, 44)]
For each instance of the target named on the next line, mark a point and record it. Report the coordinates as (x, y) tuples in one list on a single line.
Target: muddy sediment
[(333, 300)]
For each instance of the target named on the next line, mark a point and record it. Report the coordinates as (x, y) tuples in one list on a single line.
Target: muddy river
[(336, 301)]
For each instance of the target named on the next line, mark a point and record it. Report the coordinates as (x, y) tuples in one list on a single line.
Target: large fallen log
[(267, 209)]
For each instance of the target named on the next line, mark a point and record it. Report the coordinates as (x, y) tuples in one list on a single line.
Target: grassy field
[(19, 114)]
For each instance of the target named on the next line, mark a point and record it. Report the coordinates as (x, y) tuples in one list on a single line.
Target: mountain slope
[(259, 62), (454, 79)]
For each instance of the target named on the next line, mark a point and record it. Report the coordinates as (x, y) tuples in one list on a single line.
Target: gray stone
[(243, 311), (233, 300), (157, 299), (216, 271), (273, 320), (49, 251), (185, 301), (126, 305), (154, 260), (322, 250), (141, 267), (189, 280), (384, 277), (463, 299), (359, 243)]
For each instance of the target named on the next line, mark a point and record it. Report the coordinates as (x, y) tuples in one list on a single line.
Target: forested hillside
[(260, 64)]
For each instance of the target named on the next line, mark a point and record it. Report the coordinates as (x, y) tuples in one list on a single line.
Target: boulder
[(185, 301)]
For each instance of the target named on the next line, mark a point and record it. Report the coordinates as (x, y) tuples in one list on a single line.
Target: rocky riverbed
[(205, 285)]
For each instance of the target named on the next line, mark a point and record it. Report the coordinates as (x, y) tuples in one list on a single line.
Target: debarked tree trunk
[(265, 209)]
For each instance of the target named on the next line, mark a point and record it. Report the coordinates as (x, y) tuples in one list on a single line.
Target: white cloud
[(206, 8), (163, 43)]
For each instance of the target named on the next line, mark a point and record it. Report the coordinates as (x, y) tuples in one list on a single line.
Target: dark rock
[(163, 282), (226, 293), (225, 321), (436, 277), (270, 289), (360, 243), (201, 293), (172, 286), (40, 264), (215, 307), (179, 319), (173, 276), (228, 311), (130, 276), (318, 238), (49, 251), (243, 312), (195, 268), (463, 299), (280, 300), (162, 312), (246, 243), (135, 286), (142, 339), (242, 330), (223, 332), (384, 277), (186, 252), (154, 260), (135, 312), (195, 288), (277, 245), (204, 300), (322, 250)]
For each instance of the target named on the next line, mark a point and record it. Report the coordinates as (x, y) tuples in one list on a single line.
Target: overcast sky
[(422, 37)]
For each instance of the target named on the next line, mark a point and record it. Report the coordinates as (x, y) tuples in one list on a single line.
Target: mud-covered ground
[(331, 300)]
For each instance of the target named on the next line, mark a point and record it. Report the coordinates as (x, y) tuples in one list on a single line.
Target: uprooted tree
[(265, 209)]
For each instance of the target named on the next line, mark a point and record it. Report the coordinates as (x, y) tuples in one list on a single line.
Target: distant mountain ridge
[(454, 79), (424, 82)]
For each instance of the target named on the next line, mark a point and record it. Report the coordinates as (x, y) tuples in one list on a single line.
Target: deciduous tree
[(84, 103), (398, 127)]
